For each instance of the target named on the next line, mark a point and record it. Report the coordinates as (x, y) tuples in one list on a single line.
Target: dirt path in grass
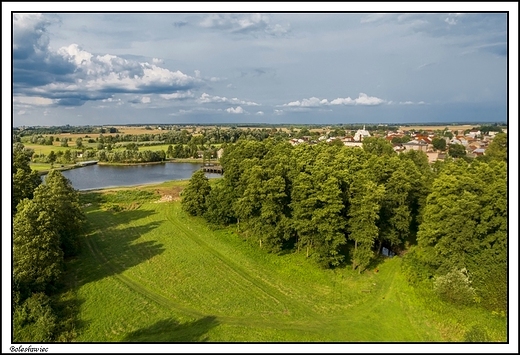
[(116, 272), (301, 315)]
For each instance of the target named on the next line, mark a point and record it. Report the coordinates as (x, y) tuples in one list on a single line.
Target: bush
[(130, 196), (492, 287), (34, 320), (112, 207), (455, 287), (414, 269)]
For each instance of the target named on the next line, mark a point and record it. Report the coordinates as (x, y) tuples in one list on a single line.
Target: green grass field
[(151, 273)]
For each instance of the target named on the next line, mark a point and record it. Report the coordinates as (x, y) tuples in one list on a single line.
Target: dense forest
[(341, 206), (47, 223)]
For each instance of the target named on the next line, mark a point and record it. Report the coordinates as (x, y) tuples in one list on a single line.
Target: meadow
[(148, 272)]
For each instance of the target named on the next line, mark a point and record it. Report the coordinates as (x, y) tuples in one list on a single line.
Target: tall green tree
[(378, 146), (194, 195), (219, 204), (465, 227), (67, 156), (51, 158), (318, 209), (25, 180), (21, 157), (79, 142), (61, 201), (457, 151), (497, 149), (37, 256), (439, 143), (363, 214), (169, 152)]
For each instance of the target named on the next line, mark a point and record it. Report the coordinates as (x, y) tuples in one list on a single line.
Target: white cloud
[(342, 101), (111, 99), (363, 99), (34, 100), (197, 109), (206, 98), (197, 73), (21, 112), (412, 103), (80, 57), (157, 61), (236, 110), (450, 21), (260, 113), (312, 102), (177, 95), (452, 18), (97, 77), (146, 100)]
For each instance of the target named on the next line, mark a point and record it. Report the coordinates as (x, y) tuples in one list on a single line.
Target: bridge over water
[(213, 169)]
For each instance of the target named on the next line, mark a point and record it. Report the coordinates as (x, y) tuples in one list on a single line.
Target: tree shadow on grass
[(69, 325), (108, 249), (171, 331)]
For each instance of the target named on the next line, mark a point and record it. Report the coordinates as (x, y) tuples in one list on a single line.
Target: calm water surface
[(102, 176)]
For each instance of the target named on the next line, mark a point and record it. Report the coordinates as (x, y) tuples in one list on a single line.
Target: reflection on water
[(102, 176)]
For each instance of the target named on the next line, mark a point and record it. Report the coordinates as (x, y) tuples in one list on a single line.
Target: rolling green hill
[(151, 273)]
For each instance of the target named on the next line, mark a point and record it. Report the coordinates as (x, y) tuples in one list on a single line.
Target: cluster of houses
[(474, 141)]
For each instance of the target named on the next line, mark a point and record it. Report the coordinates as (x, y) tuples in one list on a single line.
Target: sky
[(267, 67)]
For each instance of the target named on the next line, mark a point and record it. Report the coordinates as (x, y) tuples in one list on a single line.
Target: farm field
[(151, 273), (435, 128)]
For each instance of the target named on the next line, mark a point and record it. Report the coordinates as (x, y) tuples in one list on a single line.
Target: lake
[(103, 176)]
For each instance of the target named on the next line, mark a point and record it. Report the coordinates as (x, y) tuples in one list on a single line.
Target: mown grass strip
[(154, 273)]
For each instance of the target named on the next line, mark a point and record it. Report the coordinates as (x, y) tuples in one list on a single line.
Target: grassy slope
[(152, 273)]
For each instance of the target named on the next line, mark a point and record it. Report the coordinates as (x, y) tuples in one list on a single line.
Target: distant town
[(199, 141), (473, 140)]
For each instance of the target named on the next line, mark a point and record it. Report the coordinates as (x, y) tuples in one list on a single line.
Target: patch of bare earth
[(169, 194)]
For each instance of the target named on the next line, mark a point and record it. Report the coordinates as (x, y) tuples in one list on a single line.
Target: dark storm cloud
[(33, 63), (73, 76)]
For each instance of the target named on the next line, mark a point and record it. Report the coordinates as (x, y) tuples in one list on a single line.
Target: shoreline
[(115, 188), (126, 187), (104, 163), (65, 168), (130, 164), (173, 160)]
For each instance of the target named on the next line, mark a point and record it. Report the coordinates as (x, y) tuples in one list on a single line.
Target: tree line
[(47, 221), (341, 206)]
